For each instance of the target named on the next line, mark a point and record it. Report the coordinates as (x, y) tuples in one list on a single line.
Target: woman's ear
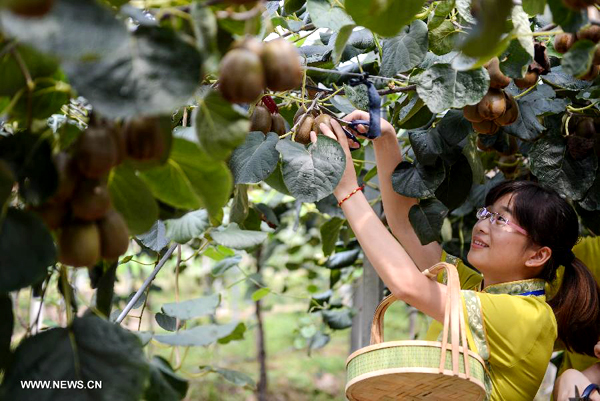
[(539, 258)]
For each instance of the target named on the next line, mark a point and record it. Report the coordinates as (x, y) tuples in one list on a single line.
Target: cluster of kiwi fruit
[(583, 136), (497, 108), (564, 41), (252, 65), (80, 211), (310, 122), (263, 120)]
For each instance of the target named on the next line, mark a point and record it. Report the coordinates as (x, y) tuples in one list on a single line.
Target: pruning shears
[(352, 125)]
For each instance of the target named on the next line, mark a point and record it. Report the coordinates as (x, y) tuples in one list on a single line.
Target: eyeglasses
[(498, 220)]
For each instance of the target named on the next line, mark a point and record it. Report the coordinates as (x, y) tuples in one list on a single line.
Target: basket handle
[(453, 319)]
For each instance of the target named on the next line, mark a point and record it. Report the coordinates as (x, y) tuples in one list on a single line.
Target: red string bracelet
[(351, 193)]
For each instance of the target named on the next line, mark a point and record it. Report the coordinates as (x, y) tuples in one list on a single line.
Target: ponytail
[(577, 308)]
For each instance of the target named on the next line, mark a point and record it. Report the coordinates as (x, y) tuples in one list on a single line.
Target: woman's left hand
[(349, 182)]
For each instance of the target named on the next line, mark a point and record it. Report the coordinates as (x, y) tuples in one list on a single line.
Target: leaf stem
[(527, 90), (576, 110)]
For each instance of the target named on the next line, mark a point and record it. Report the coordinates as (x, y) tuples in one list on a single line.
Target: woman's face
[(499, 251)]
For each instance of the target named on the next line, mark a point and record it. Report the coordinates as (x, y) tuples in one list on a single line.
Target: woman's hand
[(349, 182), (386, 127), (564, 388)]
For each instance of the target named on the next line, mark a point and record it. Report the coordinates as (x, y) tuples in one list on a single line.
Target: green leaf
[(559, 79), (417, 181), (92, 349), (225, 264), (312, 174), (38, 65), (6, 329), (442, 9), (238, 378), (27, 250), (219, 125), (404, 51), (236, 335), (156, 238), (553, 166), (454, 127), (534, 7), (385, 17), (515, 60), (455, 188), (192, 308), (189, 226), (491, 24), (471, 152), (170, 185), (358, 96), (340, 42), (275, 181), (427, 219), (342, 259), (168, 323), (522, 29), (7, 180), (235, 238), (427, 145), (330, 232), (198, 336), (578, 60), (239, 207), (569, 20), (165, 384), (255, 159), (441, 87), (131, 197), (442, 39), (591, 201), (319, 340), (338, 319), (260, 293), (291, 6), (324, 14)]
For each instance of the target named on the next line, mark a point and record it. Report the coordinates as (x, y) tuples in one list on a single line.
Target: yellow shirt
[(588, 251), (511, 327)]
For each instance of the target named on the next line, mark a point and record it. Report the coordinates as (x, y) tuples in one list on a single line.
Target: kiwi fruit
[(281, 63), (303, 132), (321, 118), (79, 244), (250, 43), (241, 76), (563, 42), (579, 147), (146, 140), (592, 73), (497, 79), (278, 124), (470, 112), (511, 113), (120, 143), (260, 119), (591, 32), (91, 200), (485, 127), (53, 214), (492, 105), (96, 152), (511, 147), (596, 59), (30, 8), (68, 177), (597, 144), (527, 81), (482, 146), (114, 235), (585, 128)]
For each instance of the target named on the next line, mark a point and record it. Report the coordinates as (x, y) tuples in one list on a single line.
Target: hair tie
[(568, 258)]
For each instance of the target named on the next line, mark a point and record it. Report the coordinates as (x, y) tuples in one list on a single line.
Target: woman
[(523, 235)]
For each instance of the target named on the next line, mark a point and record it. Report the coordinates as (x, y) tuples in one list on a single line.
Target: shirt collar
[(534, 286)]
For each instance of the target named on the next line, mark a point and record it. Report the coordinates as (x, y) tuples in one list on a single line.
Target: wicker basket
[(416, 370)]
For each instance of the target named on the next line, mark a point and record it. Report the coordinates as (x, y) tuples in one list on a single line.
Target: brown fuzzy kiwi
[(30, 8), (121, 144), (564, 41), (145, 139), (585, 128), (114, 235), (592, 73), (278, 124), (492, 105), (511, 113), (485, 127), (260, 119), (79, 244), (527, 81), (91, 200), (512, 147), (596, 59), (53, 214), (96, 152), (597, 144), (321, 118), (497, 79), (281, 62), (579, 147), (303, 132), (470, 112), (68, 177), (250, 43), (241, 76), (591, 32), (482, 146)]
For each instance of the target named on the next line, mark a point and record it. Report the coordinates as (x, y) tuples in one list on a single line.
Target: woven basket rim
[(411, 370), (404, 343)]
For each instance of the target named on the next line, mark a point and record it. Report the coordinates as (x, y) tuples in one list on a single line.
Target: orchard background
[(218, 263)]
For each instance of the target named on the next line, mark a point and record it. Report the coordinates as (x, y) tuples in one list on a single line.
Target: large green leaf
[(442, 9), (417, 181), (592, 198), (192, 308), (325, 14), (330, 232), (427, 218), (189, 226), (199, 335), (569, 20), (515, 60), (170, 185), (233, 237), (223, 265), (233, 376), (385, 17), (38, 65), (455, 188), (221, 127), (6, 329), (133, 199), (156, 238), (165, 384), (522, 29), (255, 159), (427, 146), (441, 87), (338, 319), (442, 39), (578, 60), (27, 250), (405, 50), (275, 180), (491, 24), (312, 174), (342, 259), (91, 350), (534, 7), (7, 181)]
